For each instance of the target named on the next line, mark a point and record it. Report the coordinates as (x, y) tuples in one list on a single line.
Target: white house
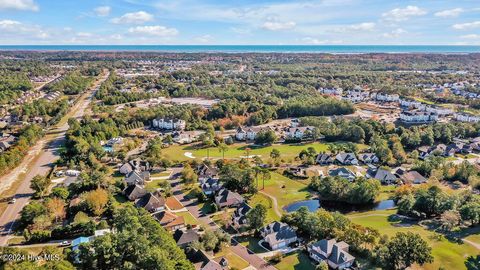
[(331, 91), (408, 102), (357, 95), (299, 132), (465, 117), (439, 110), (169, 124), (278, 235), (417, 116), (384, 97)]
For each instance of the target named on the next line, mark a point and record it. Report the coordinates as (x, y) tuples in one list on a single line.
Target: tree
[(222, 148), (60, 192), (31, 211), (275, 154), (322, 266), (188, 175), (471, 212), (256, 217), (449, 219), (40, 185), (96, 200), (56, 207), (405, 249)]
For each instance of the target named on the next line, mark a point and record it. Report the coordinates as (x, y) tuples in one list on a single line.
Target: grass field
[(295, 261), (233, 259), (285, 190), (287, 151), (260, 198), (189, 219), (251, 243), (448, 254)]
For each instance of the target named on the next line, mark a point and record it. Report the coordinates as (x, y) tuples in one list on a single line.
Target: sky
[(239, 22)]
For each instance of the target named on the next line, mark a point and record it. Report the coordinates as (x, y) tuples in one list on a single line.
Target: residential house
[(169, 124), (334, 253), (417, 116), (205, 172), (210, 186), (465, 117), (239, 217), (384, 97), (134, 165), (202, 261), (227, 198), (324, 159), (153, 203), (385, 176), (357, 95), (441, 111), (410, 103), (185, 237), (331, 91), (278, 235), (342, 172), (134, 192), (169, 220), (346, 159), (368, 158), (410, 177), (137, 178), (299, 132)]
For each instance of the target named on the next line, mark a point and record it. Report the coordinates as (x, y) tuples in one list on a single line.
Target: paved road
[(41, 164), (192, 206)]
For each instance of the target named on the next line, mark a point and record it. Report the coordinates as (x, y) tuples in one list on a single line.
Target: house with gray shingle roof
[(227, 198), (278, 235), (334, 253), (239, 217), (347, 159)]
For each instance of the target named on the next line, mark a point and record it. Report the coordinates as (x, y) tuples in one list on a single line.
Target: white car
[(12, 201), (65, 243)]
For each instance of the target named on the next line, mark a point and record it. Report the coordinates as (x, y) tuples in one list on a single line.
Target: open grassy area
[(189, 219), (260, 198), (234, 261), (448, 254), (238, 150), (251, 243), (285, 190), (295, 261), (386, 192)]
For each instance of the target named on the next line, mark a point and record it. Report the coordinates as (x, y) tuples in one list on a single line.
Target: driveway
[(194, 209)]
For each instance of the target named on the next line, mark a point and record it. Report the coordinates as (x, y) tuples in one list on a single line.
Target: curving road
[(39, 161)]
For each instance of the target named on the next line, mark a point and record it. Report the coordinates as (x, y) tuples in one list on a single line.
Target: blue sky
[(240, 22)]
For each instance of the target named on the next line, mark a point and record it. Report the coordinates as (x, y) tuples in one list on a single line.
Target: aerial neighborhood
[(241, 161)]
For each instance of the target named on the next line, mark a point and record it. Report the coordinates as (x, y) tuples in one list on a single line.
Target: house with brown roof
[(151, 202), (169, 220)]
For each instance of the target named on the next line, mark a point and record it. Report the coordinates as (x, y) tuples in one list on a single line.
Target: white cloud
[(139, 17), (465, 26), (315, 41), (395, 33), (154, 30), (19, 5), (449, 13), (12, 29), (84, 34), (366, 26), (403, 14), (204, 39), (102, 11), (471, 36), (278, 26)]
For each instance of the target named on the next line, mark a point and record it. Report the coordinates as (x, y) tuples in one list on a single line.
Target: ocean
[(334, 49)]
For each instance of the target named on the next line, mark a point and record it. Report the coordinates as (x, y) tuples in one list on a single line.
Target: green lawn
[(287, 151), (295, 261), (154, 184), (189, 219), (386, 192), (251, 243), (260, 198), (234, 261), (285, 190), (450, 255)]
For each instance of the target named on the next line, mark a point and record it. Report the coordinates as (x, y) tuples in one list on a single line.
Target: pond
[(313, 205)]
